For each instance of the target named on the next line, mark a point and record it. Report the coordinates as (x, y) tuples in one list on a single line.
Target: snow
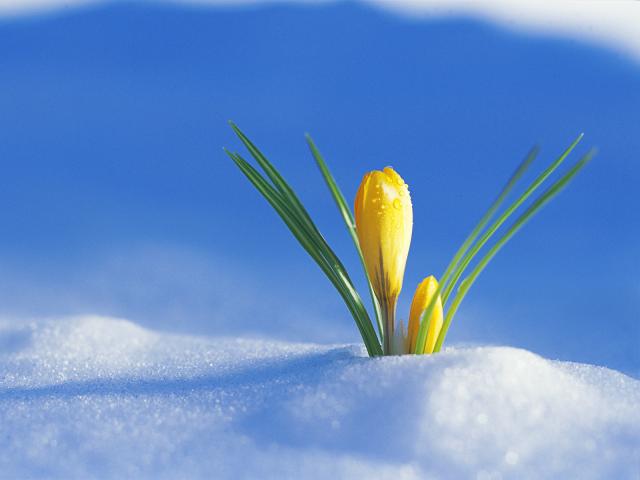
[(94, 397), (596, 22)]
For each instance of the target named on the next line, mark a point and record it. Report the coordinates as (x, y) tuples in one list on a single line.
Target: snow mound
[(95, 397)]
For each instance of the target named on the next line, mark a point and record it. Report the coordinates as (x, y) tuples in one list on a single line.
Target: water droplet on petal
[(397, 204)]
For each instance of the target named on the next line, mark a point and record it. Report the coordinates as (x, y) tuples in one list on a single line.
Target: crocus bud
[(422, 297), (384, 222)]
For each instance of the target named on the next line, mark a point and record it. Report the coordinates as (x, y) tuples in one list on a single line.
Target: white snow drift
[(97, 397), (612, 24)]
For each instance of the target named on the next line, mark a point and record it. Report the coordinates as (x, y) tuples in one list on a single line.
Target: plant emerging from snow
[(381, 231)]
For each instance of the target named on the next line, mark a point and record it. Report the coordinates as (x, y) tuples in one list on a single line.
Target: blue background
[(118, 200)]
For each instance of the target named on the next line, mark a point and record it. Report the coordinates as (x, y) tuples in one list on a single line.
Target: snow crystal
[(93, 397)]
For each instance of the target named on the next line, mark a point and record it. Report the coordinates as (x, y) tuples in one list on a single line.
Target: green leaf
[(293, 223), (277, 179), (520, 170), (349, 221), (468, 257), (291, 198), (535, 207), (524, 165), (286, 204)]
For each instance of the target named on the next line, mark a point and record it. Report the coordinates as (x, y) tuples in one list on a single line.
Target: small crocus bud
[(422, 297), (384, 222)]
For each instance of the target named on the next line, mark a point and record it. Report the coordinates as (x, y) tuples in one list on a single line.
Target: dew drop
[(397, 204)]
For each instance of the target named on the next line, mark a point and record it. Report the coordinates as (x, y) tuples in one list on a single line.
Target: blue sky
[(118, 199)]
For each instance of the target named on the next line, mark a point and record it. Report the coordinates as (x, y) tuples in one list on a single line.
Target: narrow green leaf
[(339, 198), (535, 207), (517, 174), (349, 221), (291, 198), (318, 249), (298, 231), (471, 253), (278, 181), (524, 165)]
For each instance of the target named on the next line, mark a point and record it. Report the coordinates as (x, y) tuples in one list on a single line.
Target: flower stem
[(388, 311)]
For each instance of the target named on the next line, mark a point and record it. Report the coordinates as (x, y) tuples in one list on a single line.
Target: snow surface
[(94, 397), (602, 22)]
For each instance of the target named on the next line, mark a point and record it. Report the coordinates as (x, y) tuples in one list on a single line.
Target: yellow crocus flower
[(422, 297), (384, 222)]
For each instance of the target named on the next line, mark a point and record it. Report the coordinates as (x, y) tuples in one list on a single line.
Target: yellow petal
[(422, 297), (384, 222)]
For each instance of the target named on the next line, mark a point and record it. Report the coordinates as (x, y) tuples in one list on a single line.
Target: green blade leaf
[(298, 231), (349, 221), (535, 207), (317, 249), (278, 181), (423, 329), (524, 165), (291, 198), (333, 186), (468, 257)]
